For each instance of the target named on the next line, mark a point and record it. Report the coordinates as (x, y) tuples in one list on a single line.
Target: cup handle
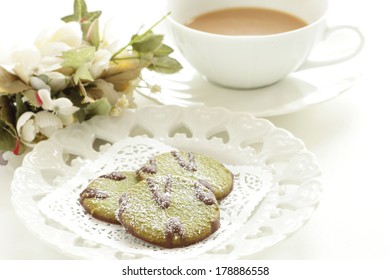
[(353, 52)]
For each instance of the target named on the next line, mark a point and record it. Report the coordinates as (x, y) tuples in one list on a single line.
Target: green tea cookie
[(169, 211), (208, 171), (101, 197)]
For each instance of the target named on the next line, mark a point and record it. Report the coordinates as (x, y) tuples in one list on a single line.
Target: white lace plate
[(276, 180)]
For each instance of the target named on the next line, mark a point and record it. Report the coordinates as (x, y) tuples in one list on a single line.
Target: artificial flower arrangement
[(72, 75)]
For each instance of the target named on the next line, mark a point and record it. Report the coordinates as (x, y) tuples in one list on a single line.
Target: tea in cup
[(251, 43)]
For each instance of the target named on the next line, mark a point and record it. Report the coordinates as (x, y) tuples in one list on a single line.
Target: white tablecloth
[(349, 135)]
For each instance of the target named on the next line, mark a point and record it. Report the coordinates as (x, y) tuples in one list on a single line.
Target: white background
[(349, 135)]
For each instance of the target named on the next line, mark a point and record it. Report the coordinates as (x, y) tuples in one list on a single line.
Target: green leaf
[(10, 83), (165, 65), (81, 14), (139, 37), (163, 50), (7, 140), (7, 124), (30, 95), (7, 110), (21, 107), (82, 73), (78, 59), (148, 44), (81, 115), (99, 107), (74, 58)]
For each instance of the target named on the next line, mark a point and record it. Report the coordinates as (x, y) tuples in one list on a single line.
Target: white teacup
[(257, 60)]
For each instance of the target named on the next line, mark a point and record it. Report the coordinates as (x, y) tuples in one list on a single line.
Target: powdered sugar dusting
[(174, 227), (123, 202), (162, 199), (204, 194), (189, 165), (116, 176)]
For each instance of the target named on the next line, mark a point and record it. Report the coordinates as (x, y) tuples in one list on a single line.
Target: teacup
[(252, 61)]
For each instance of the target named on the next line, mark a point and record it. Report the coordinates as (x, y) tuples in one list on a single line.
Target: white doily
[(251, 184)]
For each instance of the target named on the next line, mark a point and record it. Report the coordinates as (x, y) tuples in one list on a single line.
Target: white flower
[(53, 42), (26, 63), (45, 55), (38, 84), (57, 81), (61, 106), (50, 63), (121, 104), (107, 90), (108, 37), (31, 124), (26, 127), (48, 123), (100, 63), (58, 113)]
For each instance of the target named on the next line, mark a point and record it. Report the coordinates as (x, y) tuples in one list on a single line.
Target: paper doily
[(251, 184)]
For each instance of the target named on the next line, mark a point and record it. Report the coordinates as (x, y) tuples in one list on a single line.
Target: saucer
[(298, 91)]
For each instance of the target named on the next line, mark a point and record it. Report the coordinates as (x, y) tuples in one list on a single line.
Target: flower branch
[(73, 74)]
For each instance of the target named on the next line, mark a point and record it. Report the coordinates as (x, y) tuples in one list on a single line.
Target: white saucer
[(296, 92)]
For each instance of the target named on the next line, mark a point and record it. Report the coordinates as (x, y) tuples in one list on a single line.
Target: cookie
[(101, 197), (208, 171), (169, 211)]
